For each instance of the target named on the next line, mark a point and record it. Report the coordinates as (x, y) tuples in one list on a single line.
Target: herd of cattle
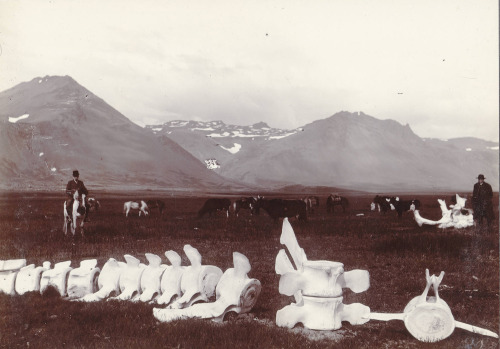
[(277, 208)]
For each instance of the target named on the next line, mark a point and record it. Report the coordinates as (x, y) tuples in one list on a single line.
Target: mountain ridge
[(52, 125)]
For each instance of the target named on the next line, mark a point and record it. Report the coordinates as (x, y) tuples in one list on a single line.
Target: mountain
[(347, 150), (52, 125)]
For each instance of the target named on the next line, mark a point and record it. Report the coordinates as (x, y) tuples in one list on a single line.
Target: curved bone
[(429, 319), (83, 280), (130, 278), (109, 281), (197, 282), (235, 292), (8, 272), (151, 278), (450, 218), (28, 278), (56, 277), (171, 279)]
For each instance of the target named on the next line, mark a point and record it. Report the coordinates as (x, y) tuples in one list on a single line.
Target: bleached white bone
[(171, 279), (450, 218), (321, 313), (429, 319), (317, 278), (289, 239), (151, 278), (313, 278), (28, 278), (235, 292), (108, 282), (56, 278), (130, 279), (198, 281), (84, 279), (8, 272)]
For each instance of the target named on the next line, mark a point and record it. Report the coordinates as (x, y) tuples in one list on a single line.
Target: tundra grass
[(395, 251)]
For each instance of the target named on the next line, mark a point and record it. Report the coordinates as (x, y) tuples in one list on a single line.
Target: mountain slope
[(52, 125), (350, 150)]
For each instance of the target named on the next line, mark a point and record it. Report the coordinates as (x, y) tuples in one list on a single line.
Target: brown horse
[(336, 200)]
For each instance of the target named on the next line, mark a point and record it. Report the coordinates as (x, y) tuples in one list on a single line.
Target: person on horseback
[(72, 186)]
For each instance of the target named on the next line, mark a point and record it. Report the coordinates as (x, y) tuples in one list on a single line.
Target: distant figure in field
[(481, 201), (72, 186)]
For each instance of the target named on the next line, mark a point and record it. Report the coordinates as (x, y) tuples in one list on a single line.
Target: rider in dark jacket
[(72, 186)]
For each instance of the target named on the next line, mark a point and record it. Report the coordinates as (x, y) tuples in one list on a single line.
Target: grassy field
[(395, 251)]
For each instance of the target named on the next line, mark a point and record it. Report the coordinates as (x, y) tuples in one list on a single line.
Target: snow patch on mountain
[(218, 129), (233, 150), (14, 120)]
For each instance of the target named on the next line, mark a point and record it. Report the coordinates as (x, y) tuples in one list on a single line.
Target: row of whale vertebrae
[(176, 287), (457, 216), (317, 288)]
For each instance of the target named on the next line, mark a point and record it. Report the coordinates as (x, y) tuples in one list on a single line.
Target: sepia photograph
[(249, 174)]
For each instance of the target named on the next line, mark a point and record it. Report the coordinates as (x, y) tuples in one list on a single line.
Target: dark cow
[(277, 208), (154, 203), (247, 203), (404, 205), (213, 205), (336, 200), (383, 203)]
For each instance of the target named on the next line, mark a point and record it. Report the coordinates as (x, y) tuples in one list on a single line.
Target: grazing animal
[(160, 205), (404, 205), (132, 205), (213, 205), (78, 211), (94, 204), (247, 203), (336, 200), (277, 208), (383, 203)]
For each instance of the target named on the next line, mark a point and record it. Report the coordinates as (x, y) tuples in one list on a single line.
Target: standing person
[(481, 201), (71, 187)]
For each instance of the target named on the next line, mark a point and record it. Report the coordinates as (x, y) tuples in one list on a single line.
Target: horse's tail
[(124, 207)]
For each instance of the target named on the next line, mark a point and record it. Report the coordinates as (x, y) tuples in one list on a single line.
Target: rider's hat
[(480, 176), (76, 174)]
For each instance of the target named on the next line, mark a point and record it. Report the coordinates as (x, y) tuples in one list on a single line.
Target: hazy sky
[(430, 63)]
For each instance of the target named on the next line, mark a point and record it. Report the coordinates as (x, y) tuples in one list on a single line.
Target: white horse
[(132, 205), (78, 211)]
